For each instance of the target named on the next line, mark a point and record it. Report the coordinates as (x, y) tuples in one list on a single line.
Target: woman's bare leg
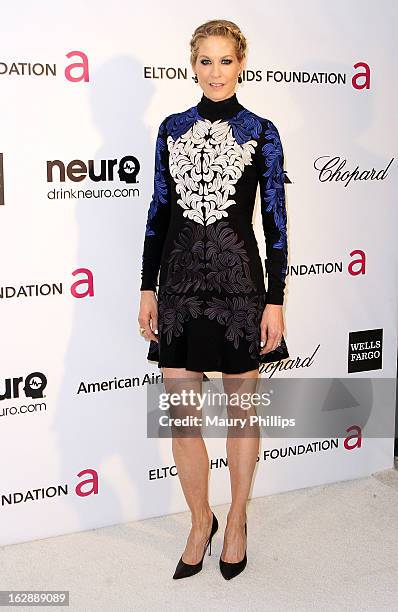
[(192, 461), (242, 453)]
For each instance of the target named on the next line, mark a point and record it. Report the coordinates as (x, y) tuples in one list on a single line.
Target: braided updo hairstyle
[(218, 27)]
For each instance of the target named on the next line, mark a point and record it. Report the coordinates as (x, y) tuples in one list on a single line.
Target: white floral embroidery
[(206, 162)]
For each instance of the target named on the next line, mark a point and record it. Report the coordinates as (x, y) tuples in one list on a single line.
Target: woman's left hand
[(272, 327)]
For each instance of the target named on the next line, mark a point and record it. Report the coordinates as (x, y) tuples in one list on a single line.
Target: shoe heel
[(214, 529), (186, 569)]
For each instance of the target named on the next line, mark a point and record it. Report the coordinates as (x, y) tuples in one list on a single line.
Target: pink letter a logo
[(88, 280), (83, 66)]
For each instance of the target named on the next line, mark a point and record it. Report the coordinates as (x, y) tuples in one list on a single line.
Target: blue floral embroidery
[(160, 194), (179, 123), (273, 191), (245, 126)]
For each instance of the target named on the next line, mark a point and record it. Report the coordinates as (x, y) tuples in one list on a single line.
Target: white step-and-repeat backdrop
[(82, 96)]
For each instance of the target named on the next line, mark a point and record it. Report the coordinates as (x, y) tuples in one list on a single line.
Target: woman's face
[(217, 67)]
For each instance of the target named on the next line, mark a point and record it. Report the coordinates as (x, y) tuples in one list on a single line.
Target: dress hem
[(210, 369)]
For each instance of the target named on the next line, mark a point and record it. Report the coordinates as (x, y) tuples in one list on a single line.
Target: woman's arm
[(156, 228), (270, 161), (158, 214)]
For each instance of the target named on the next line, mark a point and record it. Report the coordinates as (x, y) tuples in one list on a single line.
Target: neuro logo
[(35, 383), (129, 167), (33, 386), (101, 170)]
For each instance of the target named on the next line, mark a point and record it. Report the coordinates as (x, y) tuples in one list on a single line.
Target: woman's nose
[(216, 72)]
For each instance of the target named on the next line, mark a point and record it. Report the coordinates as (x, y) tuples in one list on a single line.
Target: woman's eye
[(205, 61)]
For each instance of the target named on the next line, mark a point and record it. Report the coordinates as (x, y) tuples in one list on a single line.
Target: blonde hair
[(218, 27)]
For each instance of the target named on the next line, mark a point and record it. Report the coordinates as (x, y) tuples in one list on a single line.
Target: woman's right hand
[(148, 315)]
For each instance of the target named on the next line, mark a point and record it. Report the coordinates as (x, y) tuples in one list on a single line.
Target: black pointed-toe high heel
[(230, 570), (183, 570)]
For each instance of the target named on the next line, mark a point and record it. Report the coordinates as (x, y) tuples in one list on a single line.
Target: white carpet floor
[(332, 547)]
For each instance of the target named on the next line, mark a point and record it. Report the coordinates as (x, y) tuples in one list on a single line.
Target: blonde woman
[(211, 311)]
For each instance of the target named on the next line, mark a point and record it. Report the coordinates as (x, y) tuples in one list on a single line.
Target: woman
[(212, 312)]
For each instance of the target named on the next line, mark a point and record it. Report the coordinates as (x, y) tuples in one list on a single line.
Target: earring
[(195, 78), (240, 79)]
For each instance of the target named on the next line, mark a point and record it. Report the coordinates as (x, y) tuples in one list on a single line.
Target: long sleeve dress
[(200, 253)]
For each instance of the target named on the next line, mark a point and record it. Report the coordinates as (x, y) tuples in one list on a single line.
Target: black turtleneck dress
[(200, 253)]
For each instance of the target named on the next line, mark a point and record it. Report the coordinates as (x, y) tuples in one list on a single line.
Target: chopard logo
[(333, 170)]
